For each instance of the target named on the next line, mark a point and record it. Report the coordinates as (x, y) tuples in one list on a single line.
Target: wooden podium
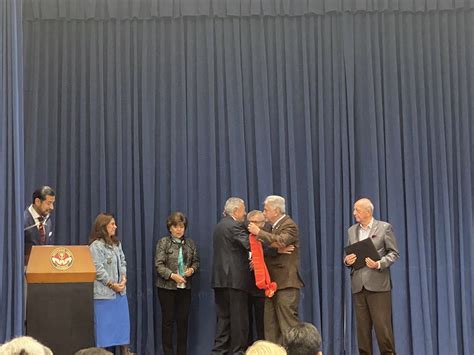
[(59, 305)]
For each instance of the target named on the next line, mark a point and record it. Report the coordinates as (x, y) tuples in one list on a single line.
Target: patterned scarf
[(180, 255)]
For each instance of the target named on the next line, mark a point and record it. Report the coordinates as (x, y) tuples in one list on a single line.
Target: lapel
[(356, 231), (30, 227), (29, 220), (279, 224), (186, 255), (377, 239), (374, 229)]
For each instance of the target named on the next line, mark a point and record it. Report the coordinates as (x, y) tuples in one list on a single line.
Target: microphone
[(36, 224)]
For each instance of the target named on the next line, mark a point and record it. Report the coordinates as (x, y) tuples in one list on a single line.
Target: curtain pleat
[(11, 169), (141, 117), (147, 9)]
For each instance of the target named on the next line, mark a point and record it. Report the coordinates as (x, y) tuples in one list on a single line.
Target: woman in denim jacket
[(111, 316), (176, 261)]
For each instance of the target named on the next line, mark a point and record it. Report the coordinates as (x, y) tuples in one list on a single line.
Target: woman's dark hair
[(99, 230), (175, 219)]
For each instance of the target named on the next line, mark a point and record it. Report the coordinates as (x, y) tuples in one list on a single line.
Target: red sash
[(262, 277)]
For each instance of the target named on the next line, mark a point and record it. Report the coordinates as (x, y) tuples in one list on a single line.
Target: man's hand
[(286, 250), (277, 245), (371, 263), (350, 259), (253, 228)]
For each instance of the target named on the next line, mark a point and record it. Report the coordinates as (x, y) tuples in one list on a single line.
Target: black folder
[(363, 249)]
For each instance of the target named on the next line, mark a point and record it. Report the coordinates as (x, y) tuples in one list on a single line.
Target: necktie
[(42, 231)]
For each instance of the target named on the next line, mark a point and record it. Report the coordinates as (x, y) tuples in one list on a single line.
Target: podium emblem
[(62, 258)]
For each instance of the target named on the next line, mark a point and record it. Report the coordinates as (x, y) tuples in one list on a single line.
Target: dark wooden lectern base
[(54, 313)]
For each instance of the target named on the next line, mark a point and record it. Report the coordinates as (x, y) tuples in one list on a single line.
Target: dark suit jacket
[(31, 232), (284, 269), (384, 241), (230, 268)]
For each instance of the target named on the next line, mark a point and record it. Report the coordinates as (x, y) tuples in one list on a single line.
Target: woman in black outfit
[(176, 261)]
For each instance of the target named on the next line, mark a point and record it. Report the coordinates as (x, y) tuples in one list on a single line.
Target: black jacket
[(230, 267), (166, 261)]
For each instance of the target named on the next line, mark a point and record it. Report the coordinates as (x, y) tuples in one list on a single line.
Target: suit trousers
[(374, 309), (175, 305), (232, 327), (256, 318), (281, 313)]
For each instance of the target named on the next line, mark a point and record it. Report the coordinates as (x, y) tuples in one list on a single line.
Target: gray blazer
[(166, 261), (384, 240)]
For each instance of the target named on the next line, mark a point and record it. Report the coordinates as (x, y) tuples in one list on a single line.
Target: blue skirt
[(112, 322)]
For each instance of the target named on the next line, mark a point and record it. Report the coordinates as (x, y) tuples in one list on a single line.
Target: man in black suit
[(231, 279), (38, 227)]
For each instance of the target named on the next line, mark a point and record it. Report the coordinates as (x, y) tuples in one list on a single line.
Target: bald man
[(371, 285)]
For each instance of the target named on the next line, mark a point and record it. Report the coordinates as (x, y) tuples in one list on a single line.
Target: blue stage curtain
[(144, 116), (11, 169), (146, 9)]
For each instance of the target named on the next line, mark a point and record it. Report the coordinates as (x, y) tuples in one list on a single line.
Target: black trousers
[(232, 328), (374, 309), (256, 318), (175, 305)]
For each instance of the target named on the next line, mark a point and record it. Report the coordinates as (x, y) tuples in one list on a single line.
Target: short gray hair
[(231, 204), (93, 351), (367, 204), (263, 347), (276, 201), (254, 213), (25, 345), (370, 206)]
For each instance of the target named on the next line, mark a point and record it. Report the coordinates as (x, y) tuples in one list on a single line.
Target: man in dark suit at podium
[(38, 227)]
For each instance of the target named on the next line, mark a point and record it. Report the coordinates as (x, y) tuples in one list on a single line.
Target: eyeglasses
[(256, 222)]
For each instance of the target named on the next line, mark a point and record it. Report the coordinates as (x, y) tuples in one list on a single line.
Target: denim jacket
[(166, 261), (110, 265)]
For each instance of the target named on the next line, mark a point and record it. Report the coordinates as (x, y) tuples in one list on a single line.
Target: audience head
[(93, 351), (235, 207), (104, 228), (24, 346), (43, 200), (262, 347), (303, 339), (273, 208)]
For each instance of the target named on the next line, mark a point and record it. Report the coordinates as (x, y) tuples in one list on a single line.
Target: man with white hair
[(281, 311), (231, 279), (26, 346), (371, 284)]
